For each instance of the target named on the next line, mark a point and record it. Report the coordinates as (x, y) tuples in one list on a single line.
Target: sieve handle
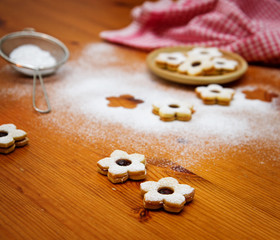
[(35, 75)]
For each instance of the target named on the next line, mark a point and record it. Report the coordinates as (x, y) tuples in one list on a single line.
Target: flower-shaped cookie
[(121, 166), (224, 64), (202, 52), (10, 137), (172, 109), (195, 66), (166, 193), (171, 61), (215, 93)]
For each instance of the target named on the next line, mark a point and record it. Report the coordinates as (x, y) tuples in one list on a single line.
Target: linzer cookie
[(166, 193), (121, 166), (195, 66), (11, 137), (203, 52), (198, 61), (215, 93), (223, 64), (172, 109), (171, 61)]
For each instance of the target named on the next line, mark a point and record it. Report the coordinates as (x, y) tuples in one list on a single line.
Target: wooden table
[(51, 189)]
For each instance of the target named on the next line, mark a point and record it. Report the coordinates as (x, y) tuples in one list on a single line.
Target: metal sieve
[(45, 42)]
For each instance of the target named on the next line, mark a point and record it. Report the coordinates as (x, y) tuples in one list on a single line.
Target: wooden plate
[(196, 80)]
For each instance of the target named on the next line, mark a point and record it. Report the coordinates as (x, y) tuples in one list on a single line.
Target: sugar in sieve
[(47, 43)]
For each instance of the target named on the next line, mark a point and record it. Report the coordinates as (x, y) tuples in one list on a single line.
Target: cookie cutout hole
[(204, 52), (165, 190), (171, 58), (215, 91), (195, 64), (123, 162), (260, 94), (173, 106), (3, 133), (125, 101)]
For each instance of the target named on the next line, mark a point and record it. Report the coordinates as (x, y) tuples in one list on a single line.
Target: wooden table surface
[(51, 189)]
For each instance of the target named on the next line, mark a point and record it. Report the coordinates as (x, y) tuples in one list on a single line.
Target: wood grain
[(50, 189)]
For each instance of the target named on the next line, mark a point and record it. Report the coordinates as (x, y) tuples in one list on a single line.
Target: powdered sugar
[(99, 72), (32, 55)]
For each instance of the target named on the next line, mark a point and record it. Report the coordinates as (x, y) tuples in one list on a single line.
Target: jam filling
[(215, 91), (195, 64), (165, 190), (173, 106), (3, 134), (123, 162), (171, 58)]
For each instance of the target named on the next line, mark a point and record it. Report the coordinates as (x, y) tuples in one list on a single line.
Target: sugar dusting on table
[(100, 72)]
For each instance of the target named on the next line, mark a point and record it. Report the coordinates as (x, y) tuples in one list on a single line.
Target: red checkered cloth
[(250, 28)]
